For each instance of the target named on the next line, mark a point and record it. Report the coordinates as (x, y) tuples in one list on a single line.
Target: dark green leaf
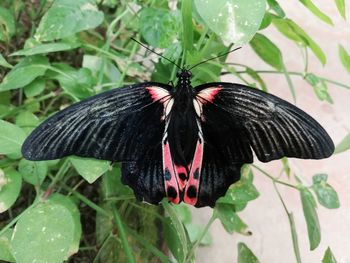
[(10, 187), (173, 52), (229, 219), (66, 17), (326, 195), (245, 255), (276, 7), (235, 21), (344, 58), (316, 11), (267, 51), (187, 25), (11, 138), (44, 233), (46, 48), (328, 257), (35, 88), (4, 63), (7, 24), (33, 172), (25, 72), (266, 21), (319, 86), (90, 169), (341, 7), (344, 145), (159, 27), (310, 214), (5, 253), (174, 240)]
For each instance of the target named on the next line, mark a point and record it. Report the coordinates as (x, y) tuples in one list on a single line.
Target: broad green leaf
[(25, 72), (344, 58), (229, 219), (4, 63), (184, 213), (46, 48), (344, 145), (194, 233), (267, 51), (326, 195), (310, 214), (33, 172), (11, 138), (173, 52), (245, 255), (341, 7), (10, 187), (97, 64), (276, 7), (43, 234), (27, 121), (328, 257), (294, 32), (35, 88), (73, 209), (266, 21), (89, 169), (66, 17), (187, 25), (320, 87), (316, 11), (7, 24), (5, 253), (235, 21), (159, 27), (173, 240)]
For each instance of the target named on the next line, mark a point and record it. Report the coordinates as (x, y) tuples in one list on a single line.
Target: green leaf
[(4, 63), (27, 121), (89, 169), (183, 213), (326, 195), (11, 138), (273, 4), (235, 21), (97, 64), (66, 17), (46, 48), (245, 255), (33, 172), (319, 86), (73, 209), (5, 253), (328, 257), (341, 7), (159, 27), (173, 240), (310, 214), (266, 21), (173, 52), (344, 145), (294, 32), (44, 233), (187, 25), (267, 51), (194, 233), (229, 219), (7, 24), (344, 58), (254, 75), (10, 187), (25, 72), (35, 88), (316, 11)]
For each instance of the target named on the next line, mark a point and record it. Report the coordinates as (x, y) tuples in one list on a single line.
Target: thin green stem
[(290, 82), (61, 172), (198, 241), (122, 234), (273, 178)]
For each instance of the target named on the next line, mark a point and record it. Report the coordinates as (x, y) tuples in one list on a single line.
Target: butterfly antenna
[(155, 52), (221, 55)]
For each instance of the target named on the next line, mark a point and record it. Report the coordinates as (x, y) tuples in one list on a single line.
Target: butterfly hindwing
[(118, 125), (273, 127)]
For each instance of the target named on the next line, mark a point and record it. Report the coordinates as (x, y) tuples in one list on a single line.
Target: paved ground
[(266, 218)]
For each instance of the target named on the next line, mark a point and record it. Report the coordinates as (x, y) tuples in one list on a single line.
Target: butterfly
[(184, 143)]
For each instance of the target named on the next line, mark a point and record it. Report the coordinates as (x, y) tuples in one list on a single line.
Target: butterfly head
[(184, 73)]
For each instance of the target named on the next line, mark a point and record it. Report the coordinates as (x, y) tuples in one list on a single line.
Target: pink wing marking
[(192, 186), (158, 94), (170, 179), (208, 94), (181, 175)]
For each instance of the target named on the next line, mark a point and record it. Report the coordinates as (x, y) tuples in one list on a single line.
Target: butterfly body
[(184, 143)]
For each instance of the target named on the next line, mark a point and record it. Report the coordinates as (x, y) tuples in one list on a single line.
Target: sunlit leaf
[(326, 195), (245, 255), (229, 219), (328, 257), (344, 145), (45, 48), (11, 138), (319, 86), (10, 187), (341, 7), (90, 169), (32, 172), (276, 7), (316, 11), (344, 58)]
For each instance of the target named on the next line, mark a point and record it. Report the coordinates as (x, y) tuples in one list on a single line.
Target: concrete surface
[(271, 240)]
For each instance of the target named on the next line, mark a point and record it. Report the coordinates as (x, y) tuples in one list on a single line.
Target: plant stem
[(123, 237), (198, 241)]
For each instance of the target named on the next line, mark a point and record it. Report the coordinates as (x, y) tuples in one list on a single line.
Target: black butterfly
[(184, 143)]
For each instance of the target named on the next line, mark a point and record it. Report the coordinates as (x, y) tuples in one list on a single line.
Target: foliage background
[(64, 51)]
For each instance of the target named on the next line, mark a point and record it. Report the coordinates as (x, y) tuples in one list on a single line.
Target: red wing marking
[(158, 94), (181, 175), (170, 178), (192, 186), (208, 94)]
